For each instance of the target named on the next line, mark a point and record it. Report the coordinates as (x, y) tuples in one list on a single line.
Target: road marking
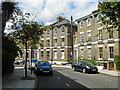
[(67, 84), (108, 80), (58, 78)]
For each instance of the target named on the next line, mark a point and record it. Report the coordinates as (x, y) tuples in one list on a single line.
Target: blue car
[(43, 67)]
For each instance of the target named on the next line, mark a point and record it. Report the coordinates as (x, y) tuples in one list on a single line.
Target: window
[(100, 34), (48, 32), (74, 39), (89, 36), (55, 30), (62, 54), (88, 22), (110, 33), (81, 24), (63, 29), (99, 20), (41, 53), (82, 53), (62, 41), (47, 43), (111, 53), (48, 53), (55, 54), (42, 43), (55, 42), (100, 52), (81, 37), (89, 53)]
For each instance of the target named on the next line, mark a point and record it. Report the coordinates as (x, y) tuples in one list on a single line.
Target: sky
[(48, 10)]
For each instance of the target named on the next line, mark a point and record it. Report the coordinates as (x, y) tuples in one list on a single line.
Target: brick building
[(93, 42)]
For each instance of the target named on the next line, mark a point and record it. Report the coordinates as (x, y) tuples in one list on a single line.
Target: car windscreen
[(88, 63), (43, 63), (34, 61)]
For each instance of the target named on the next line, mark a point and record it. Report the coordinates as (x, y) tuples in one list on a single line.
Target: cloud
[(48, 10)]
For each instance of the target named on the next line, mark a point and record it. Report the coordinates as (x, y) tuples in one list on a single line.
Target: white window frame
[(48, 44), (55, 43), (62, 42), (62, 54), (74, 42), (100, 34), (81, 24), (55, 30), (100, 53), (82, 53), (89, 53), (89, 31), (55, 55), (62, 30), (82, 37), (88, 22), (48, 54), (99, 21), (110, 52)]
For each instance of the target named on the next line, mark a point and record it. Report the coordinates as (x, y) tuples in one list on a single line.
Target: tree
[(29, 35), (9, 47), (9, 10), (110, 15)]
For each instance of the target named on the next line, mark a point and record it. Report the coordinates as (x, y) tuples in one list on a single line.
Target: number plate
[(93, 69), (46, 71)]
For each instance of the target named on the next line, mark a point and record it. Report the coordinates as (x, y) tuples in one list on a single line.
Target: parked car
[(16, 62), (31, 66), (43, 67), (84, 66)]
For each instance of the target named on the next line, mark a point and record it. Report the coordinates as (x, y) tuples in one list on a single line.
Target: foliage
[(117, 61), (110, 14), (9, 52), (9, 11)]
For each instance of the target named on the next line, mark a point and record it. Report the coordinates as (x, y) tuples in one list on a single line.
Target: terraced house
[(57, 42), (93, 42)]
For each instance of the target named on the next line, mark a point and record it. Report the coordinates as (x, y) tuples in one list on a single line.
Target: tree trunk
[(31, 59), (26, 58)]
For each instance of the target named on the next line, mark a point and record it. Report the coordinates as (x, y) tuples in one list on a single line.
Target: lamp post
[(72, 38)]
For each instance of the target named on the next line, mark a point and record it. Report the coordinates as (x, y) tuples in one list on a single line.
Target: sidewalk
[(15, 81), (110, 72), (107, 72)]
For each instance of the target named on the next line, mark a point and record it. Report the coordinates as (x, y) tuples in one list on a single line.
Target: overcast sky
[(48, 10)]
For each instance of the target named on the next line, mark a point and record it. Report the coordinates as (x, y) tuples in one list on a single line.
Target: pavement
[(17, 80), (104, 71)]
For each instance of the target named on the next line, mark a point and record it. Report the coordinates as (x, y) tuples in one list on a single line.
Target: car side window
[(80, 63), (76, 63)]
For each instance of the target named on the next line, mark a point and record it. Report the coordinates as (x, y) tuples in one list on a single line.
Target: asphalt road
[(67, 78)]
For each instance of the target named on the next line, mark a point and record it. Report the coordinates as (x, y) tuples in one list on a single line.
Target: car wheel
[(84, 70), (73, 68)]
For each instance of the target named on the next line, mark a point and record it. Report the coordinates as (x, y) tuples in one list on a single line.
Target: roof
[(87, 16), (83, 17), (63, 23)]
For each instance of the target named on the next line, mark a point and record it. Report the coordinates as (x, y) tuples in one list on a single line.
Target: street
[(67, 78)]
